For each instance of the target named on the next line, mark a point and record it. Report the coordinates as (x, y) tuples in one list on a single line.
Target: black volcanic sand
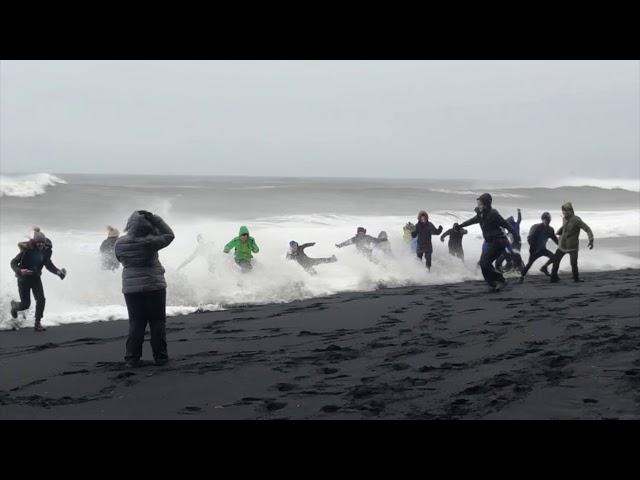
[(533, 351)]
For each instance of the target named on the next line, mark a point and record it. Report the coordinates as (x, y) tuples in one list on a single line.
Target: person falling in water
[(569, 242), (383, 244), (244, 246), (109, 260), (364, 243), (296, 252), (143, 284), (538, 236), (423, 231), (495, 241), (27, 265), (455, 241), (204, 249)]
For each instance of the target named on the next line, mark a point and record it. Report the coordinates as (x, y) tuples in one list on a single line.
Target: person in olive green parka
[(244, 246), (569, 243)]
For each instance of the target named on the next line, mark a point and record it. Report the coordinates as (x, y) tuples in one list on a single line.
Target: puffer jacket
[(33, 259), (137, 251), (570, 230)]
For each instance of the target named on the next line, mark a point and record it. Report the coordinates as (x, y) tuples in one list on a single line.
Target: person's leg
[(489, 255), (556, 264), (533, 256), (573, 258), (155, 311), (427, 256), (24, 290), (38, 295), (137, 326)]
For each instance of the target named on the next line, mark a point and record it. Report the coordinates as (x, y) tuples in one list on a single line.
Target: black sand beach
[(533, 351)]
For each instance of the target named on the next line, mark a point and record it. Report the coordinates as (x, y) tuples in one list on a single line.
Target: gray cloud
[(451, 119)]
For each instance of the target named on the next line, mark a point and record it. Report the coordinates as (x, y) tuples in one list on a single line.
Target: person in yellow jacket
[(244, 246), (569, 242)]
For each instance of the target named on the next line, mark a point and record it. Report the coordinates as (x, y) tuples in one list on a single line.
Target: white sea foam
[(91, 294), (27, 185)]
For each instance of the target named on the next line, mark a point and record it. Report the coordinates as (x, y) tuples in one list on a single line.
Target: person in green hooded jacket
[(569, 243), (244, 246)]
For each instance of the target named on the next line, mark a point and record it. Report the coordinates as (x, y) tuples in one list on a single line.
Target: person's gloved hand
[(590, 244), (62, 273), (442, 239)]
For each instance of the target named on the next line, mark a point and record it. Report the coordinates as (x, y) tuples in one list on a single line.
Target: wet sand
[(533, 351)]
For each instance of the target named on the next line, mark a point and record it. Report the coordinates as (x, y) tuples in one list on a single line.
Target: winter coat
[(137, 251), (31, 258), (243, 250), (570, 230), (423, 232)]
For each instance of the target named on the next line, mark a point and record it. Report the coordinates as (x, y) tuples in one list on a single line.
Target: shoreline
[(447, 351)]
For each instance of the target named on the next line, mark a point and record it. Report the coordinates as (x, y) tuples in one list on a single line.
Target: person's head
[(293, 245), (511, 220), (382, 235), (455, 226), (484, 202), (243, 234), (546, 218), (423, 217), (39, 239), (567, 210), (361, 231), (112, 232), (199, 238), (138, 225)]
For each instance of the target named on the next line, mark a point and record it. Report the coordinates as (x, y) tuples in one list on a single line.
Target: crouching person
[(143, 283)]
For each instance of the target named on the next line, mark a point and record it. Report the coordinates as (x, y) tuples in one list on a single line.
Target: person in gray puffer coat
[(143, 283)]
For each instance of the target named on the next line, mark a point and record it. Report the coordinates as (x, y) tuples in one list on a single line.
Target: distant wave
[(25, 186), (469, 192)]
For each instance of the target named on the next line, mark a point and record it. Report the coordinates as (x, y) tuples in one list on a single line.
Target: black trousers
[(143, 308), (533, 256), (427, 256), (490, 252), (245, 265), (27, 284), (457, 252), (573, 257)]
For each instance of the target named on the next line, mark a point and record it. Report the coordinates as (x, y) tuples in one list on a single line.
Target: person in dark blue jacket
[(495, 241), (538, 236)]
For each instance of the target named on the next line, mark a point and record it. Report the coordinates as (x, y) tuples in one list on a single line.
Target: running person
[(423, 231), (569, 242), (243, 246), (296, 252), (495, 241), (455, 241), (538, 236), (364, 243)]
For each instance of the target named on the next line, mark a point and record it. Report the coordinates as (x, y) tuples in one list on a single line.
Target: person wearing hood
[(27, 265), (538, 236), (143, 283), (203, 249), (455, 235), (244, 246), (569, 242), (364, 243), (109, 260), (383, 244), (495, 241), (423, 231), (296, 252)]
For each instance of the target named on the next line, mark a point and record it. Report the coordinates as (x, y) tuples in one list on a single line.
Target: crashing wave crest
[(25, 186)]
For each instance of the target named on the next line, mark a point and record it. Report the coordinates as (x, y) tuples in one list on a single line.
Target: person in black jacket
[(455, 235), (109, 260), (423, 231), (363, 242), (495, 241), (538, 236), (296, 252), (512, 252), (27, 265), (143, 284)]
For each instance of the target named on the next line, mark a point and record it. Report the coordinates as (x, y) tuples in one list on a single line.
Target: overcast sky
[(425, 119)]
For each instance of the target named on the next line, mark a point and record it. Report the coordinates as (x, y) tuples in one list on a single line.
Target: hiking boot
[(555, 279), (161, 362), (500, 285), (14, 309), (521, 280), (38, 327), (545, 270)]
